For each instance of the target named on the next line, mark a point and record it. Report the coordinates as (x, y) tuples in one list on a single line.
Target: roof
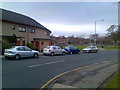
[(19, 18)]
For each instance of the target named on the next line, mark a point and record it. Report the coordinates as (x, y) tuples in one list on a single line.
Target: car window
[(48, 47), (67, 47), (27, 49), (59, 48), (12, 47), (54, 48), (20, 49), (72, 47)]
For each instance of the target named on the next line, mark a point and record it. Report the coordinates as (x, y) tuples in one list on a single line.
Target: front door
[(37, 45)]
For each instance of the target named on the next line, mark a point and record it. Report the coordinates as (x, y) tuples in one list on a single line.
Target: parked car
[(71, 50), (53, 50), (18, 52), (90, 49)]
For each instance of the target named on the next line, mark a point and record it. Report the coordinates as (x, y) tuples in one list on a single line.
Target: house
[(26, 29)]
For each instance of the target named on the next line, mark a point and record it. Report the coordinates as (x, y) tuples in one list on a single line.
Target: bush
[(30, 45), (7, 46)]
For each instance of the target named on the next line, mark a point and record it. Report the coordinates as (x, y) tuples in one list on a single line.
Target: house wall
[(7, 30), (25, 36)]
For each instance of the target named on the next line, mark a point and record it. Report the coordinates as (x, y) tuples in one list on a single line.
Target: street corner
[(90, 76)]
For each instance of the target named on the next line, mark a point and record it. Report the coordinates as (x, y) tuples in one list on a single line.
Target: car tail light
[(9, 51)]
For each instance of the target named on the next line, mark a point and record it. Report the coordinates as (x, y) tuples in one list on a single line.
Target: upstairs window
[(46, 34), (32, 30), (13, 27), (22, 29)]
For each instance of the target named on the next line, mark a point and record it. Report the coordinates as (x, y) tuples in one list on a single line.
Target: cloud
[(77, 30)]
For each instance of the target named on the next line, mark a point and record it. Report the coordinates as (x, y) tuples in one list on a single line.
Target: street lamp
[(95, 39)]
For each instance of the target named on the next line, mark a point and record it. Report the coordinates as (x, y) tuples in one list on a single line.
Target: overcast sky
[(69, 18)]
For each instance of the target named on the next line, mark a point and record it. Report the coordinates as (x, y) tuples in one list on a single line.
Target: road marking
[(36, 65), (41, 88)]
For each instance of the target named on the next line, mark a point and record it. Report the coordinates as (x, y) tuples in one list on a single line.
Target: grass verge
[(113, 82), (112, 48)]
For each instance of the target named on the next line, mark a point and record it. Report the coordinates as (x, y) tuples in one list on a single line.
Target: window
[(67, 47), (13, 27), (48, 47), (32, 30), (59, 48), (27, 49), (73, 47), (21, 49), (22, 29), (46, 34), (54, 47)]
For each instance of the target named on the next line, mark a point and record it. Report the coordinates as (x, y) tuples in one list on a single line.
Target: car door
[(21, 51), (93, 49), (29, 52), (55, 50), (60, 51)]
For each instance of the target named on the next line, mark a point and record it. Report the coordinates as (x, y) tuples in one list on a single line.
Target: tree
[(13, 39), (112, 32)]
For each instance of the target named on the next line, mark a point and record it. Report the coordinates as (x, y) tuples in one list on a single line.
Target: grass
[(113, 82), (112, 48), (80, 46), (83, 46)]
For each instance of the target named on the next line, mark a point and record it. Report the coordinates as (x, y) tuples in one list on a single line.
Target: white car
[(90, 49), (18, 52), (53, 50)]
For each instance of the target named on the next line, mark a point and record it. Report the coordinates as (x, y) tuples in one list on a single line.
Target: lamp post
[(95, 39)]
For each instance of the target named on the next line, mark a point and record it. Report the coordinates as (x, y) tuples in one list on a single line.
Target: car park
[(18, 52), (90, 49), (53, 50), (71, 50)]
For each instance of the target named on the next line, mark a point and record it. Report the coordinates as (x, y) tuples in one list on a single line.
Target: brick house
[(26, 29)]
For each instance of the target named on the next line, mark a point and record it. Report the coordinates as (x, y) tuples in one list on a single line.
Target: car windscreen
[(12, 47), (48, 47)]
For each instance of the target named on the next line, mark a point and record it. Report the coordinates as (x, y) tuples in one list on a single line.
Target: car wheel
[(35, 55), (78, 53), (71, 53), (63, 53), (52, 54), (17, 57)]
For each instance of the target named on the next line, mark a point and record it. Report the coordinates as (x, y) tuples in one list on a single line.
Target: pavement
[(90, 76), (1, 56)]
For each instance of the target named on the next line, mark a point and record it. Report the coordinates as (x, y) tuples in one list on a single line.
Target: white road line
[(46, 63)]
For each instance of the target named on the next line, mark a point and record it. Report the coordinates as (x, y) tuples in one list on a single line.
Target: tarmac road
[(34, 72)]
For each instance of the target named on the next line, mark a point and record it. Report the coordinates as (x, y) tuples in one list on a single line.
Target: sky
[(69, 18)]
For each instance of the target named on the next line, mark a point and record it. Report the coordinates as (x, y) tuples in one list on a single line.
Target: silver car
[(90, 49), (18, 52), (53, 50)]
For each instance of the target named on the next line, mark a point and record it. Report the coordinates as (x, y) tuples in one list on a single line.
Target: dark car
[(71, 50)]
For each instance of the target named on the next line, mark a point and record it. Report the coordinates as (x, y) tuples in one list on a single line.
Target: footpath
[(90, 76)]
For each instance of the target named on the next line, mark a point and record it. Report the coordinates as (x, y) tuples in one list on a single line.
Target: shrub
[(7, 46), (30, 45)]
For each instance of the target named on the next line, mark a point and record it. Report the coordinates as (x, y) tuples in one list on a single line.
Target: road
[(34, 72)]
